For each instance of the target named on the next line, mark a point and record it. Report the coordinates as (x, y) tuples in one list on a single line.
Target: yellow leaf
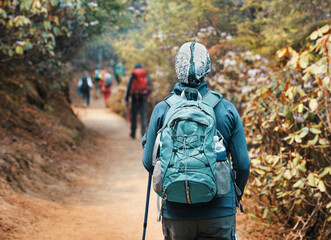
[(261, 172), (265, 213), (314, 141), (325, 172), (315, 131), (289, 92), (258, 182), (323, 141), (304, 132), (313, 104), (316, 125), (252, 216), (299, 184), (19, 50), (296, 160), (298, 201), (321, 186), (291, 51), (326, 82), (288, 174), (329, 205), (281, 53), (314, 35), (306, 77), (297, 139), (325, 28), (288, 137), (302, 63), (301, 92), (311, 180), (316, 69), (302, 168)]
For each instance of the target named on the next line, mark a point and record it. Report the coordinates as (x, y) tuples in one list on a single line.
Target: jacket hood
[(179, 87)]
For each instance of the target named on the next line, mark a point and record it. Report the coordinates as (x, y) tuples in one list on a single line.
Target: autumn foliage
[(288, 127)]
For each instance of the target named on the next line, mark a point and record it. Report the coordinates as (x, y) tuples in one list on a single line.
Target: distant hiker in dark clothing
[(84, 85), (139, 88), (199, 186), (119, 72), (106, 86)]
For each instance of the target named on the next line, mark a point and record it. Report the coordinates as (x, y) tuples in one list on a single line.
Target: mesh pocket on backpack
[(157, 179), (222, 177)]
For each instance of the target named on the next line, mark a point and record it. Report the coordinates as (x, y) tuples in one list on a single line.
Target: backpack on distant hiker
[(186, 169), (97, 75), (119, 70), (84, 87), (107, 80), (139, 85)]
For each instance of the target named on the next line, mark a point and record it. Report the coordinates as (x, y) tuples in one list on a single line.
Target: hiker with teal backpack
[(119, 71), (196, 150), (97, 78)]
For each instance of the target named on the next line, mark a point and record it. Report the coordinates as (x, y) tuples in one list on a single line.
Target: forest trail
[(111, 204), (108, 200)]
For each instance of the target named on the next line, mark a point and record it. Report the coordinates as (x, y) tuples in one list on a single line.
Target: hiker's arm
[(128, 89), (238, 150), (89, 82), (79, 82), (155, 124)]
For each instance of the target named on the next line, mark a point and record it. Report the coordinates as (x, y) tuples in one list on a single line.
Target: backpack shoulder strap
[(212, 98), (172, 99)]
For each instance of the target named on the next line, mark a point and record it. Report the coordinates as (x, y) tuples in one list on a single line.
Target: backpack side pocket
[(222, 177), (157, 179)]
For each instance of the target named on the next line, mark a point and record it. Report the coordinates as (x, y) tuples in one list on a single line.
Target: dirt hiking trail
[(111, 204), (107, 200)]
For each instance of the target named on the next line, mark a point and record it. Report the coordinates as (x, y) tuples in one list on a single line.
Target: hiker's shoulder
[(225, 107), (160, 108)]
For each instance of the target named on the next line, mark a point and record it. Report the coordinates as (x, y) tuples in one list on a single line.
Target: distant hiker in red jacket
[(106, 86), (139, 88)]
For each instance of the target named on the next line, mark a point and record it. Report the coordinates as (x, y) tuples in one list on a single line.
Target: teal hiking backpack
[(185, 166)]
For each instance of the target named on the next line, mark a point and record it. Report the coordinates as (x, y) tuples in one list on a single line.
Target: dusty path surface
[(111, 202), (107, 200)]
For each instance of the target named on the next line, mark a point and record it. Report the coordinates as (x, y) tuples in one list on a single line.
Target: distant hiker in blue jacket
[(139, 87), (215, 219)]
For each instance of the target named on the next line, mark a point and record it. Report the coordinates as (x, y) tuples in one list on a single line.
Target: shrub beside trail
[(288, 127)]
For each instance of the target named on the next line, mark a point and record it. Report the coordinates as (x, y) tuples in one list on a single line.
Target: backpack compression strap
[(172, 99)]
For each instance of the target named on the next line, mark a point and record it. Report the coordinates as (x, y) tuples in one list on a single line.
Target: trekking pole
[(147, 204)]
